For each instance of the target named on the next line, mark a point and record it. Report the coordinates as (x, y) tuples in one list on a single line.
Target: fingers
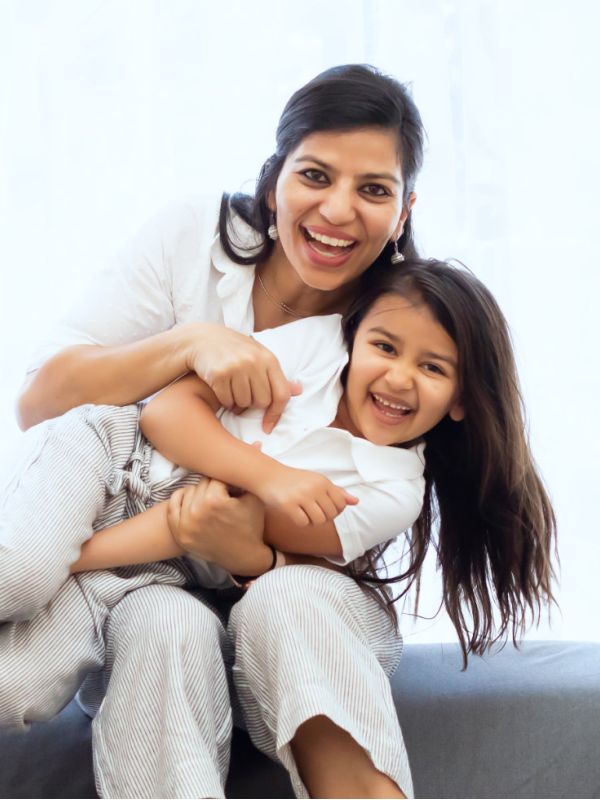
[(298, 516), (174, 516), (174, 510), (242, 390), (222, 389), (315, 514), (329, 507), (295, 388), (350, 499), (281, 391)]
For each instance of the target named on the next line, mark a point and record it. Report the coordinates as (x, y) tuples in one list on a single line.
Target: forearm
[(138, 540), (103, 375), (181, 424), (312, 540)]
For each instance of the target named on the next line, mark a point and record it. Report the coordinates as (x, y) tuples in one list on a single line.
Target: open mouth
[(327, 245), (394, 411)]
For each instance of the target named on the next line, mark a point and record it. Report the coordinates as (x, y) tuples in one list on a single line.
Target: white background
[(109, 109)]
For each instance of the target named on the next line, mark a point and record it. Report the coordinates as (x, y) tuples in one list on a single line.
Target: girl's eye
[(314, 175), (434, 368), (376, 190), (385, 347)]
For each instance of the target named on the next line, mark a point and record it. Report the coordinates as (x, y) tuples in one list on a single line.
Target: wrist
[(186, 339), (262, 476), (271, 559)]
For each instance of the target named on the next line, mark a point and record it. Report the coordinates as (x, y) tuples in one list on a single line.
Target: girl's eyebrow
[(428, 354), (387, 176)]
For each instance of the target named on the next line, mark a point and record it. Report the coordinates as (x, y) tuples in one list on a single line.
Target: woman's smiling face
[(403, 374), (338, 202)]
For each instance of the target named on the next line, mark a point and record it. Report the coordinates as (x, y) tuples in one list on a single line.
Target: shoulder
[(194, 216)]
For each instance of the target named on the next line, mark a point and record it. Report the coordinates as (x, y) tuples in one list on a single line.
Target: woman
[(333, 202)]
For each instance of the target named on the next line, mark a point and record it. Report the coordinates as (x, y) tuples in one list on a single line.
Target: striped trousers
[(155, 658)]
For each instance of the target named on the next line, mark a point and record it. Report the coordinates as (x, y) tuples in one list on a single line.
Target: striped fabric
[(307, 640)]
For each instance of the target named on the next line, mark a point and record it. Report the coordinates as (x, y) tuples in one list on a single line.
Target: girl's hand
[(306, 497), (241, 372), (206, 522)]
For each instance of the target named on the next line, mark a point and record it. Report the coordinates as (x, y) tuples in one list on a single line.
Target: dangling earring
[(272, 231), (397, 257)]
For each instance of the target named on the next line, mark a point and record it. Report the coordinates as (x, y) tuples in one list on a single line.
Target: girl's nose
[(400, 376)]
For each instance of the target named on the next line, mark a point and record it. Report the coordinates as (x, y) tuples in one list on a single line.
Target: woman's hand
[(207, 522), (241, 372), (307, 498)]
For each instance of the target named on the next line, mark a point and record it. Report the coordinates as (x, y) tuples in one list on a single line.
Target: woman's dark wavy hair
[(342, 98), (496, 529)]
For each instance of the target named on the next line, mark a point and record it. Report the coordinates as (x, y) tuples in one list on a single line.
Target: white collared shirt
[(387, 480)]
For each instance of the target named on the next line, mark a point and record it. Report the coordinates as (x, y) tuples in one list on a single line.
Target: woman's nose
[(337, 207)]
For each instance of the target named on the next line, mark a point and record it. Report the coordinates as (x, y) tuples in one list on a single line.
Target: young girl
[(430, 368)]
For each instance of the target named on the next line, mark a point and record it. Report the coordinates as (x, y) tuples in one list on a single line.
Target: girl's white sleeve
[(385, 510)]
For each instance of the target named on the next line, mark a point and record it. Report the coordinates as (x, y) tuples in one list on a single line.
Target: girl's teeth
[(394, 406)]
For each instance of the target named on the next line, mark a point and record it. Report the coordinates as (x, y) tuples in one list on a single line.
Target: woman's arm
[(104, 375), (241, 371)]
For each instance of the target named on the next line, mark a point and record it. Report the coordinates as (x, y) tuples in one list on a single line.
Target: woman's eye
[(314, 175), (376, 190)]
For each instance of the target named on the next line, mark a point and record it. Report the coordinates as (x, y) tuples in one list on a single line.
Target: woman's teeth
[(391, 409), (327, 245)]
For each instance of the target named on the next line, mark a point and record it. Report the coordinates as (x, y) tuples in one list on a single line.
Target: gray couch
[(518, 723)]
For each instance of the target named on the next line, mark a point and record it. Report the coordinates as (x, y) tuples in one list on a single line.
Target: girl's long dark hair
[(496, 528), (342, 98)]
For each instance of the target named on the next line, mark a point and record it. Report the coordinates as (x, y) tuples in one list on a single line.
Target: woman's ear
[(406, 209), (271, 202), (457, 412)]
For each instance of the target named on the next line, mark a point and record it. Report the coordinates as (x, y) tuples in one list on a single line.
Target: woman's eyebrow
[(367, 175), (427, 354)]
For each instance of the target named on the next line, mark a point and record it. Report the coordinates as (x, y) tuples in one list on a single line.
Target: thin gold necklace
[(279, 303)]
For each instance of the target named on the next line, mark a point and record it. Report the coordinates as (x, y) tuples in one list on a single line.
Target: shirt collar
[(234, 288), (380, 462)]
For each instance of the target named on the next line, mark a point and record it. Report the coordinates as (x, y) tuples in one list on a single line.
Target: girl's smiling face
[(403, 374), (338, 202)]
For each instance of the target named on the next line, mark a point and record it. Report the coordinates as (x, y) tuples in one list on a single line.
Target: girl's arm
[(316, 540), (181, 424), (138, 540), (226, 530)]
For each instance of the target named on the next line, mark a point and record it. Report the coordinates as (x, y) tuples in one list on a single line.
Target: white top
[(387, 480)]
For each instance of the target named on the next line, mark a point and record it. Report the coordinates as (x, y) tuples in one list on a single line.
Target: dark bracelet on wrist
[(243, 579)]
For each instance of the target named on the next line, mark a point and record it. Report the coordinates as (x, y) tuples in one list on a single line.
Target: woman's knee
[(27, 583), (165, 619)]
